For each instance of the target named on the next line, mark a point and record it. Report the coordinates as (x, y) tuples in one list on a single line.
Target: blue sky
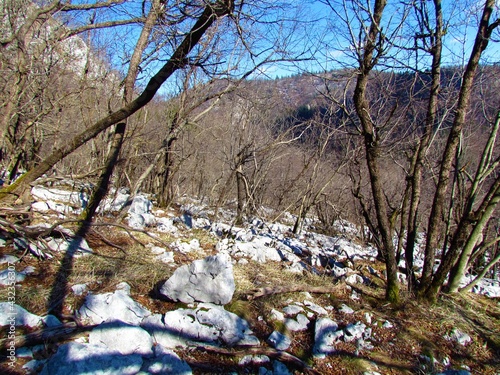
[(319, 32)]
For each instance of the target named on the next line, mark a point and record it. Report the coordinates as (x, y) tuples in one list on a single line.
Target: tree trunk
[(241, 195), (103, 184), (458, 271), (423, 145), (372, 149), (430, 289)]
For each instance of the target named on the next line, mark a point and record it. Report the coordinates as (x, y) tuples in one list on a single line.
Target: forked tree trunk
[(423, 145), (431, 285)]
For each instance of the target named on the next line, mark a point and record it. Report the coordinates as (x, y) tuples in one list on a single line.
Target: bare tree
[(179, 58)]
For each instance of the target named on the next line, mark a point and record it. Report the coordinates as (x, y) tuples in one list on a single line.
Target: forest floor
[(416, 343)]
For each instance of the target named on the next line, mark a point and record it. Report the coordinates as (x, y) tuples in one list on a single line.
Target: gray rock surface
[(205, 280), (459, 337), (123, 338), (206, 323), (119, 305), (12, 313), (326, 334), (165, 362), (79, 359), (279, 340), (298, 324)]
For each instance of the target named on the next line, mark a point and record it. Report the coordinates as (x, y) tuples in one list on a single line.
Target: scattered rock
[(277, 315), (79, 289), (299, 324), (10, 277), (279, 341), (166, 257), (292, 310), (387, 325), (9, 259), (326, 334), (186, 247), (51, 321), (76, 245), (139, 213), (206, 280), (459, 337), (280, 369), (166, 225), (354, 331), (254, 360), (315, 308), (346, 309)]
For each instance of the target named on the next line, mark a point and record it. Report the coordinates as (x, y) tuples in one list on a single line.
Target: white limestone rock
[(17, 315), (315, 308), (277, 315), (354, 332), (291, 310), (113, 306), (206, 280), (279, 341), (166, 225), (280, 368), (79, 359), (79, 289), (77, 245), (459, 337), (123, 338), (8, 258), (346, 309), (300, 323), (259, 359), (165, 362), (206, 323), (10, 277), (326, 335)]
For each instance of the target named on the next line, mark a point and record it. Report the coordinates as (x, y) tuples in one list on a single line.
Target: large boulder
[(205, 280)]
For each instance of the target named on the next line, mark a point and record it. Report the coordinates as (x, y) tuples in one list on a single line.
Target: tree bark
[(428, 288), (423, 145), (103, 184), (372, 148)]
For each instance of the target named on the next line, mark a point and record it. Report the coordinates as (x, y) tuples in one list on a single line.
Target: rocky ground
[(175, 292)]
